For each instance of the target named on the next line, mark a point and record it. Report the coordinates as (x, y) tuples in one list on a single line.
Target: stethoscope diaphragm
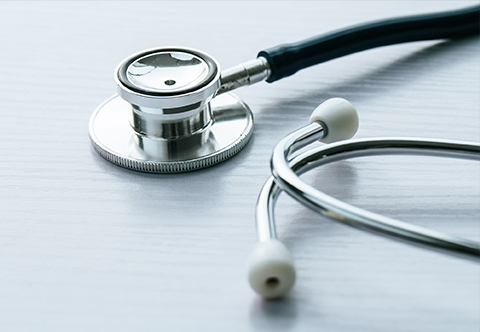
[(165, 118)]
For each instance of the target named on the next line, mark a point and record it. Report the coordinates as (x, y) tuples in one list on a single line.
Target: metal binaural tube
[(286, 173), (264, 214)]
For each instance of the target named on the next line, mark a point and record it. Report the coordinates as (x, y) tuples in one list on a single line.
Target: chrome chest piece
[(167, 117)]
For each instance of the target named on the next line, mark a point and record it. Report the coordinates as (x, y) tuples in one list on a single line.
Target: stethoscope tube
[(285, 60)]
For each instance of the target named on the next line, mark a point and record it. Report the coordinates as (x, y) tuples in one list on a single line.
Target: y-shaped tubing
[(286, 176), (275, 282), (352, 216)]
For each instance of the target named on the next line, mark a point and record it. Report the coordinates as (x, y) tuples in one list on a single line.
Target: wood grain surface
[(88, 246)]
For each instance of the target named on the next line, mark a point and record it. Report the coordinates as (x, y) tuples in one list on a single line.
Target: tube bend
[(271, 271), (286, 177)]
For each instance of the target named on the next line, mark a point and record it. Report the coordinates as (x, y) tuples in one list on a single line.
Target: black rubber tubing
[(287, 59)]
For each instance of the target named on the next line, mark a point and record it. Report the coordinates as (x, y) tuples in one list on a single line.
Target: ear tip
[(271, 272), (340, 118)]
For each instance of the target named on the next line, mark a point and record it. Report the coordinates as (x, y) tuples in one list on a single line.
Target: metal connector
[(244, 74)]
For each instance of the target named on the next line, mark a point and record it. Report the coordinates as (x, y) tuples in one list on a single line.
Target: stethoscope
[(174, 112)]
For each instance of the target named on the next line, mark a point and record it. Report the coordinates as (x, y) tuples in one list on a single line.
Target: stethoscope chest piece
[(167, 117)]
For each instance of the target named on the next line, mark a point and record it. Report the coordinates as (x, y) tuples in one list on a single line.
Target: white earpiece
[(339, 117), (270, 269)]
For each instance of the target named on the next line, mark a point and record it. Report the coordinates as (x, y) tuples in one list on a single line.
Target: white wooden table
[(88, 246)]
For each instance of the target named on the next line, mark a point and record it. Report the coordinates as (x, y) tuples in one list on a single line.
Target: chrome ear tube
[(271, 270), (173, 112)]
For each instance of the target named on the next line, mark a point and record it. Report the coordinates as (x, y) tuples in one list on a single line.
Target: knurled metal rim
[(174, 166)]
